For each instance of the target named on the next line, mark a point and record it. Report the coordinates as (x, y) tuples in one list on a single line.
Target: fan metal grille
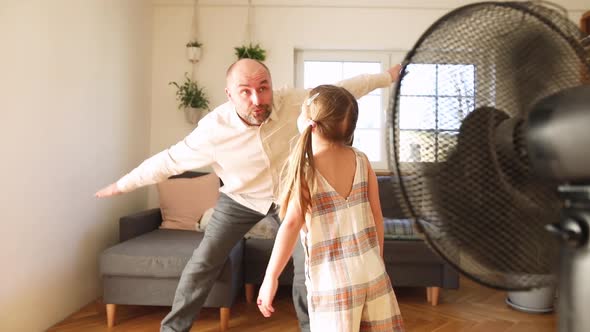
[(476, 201)]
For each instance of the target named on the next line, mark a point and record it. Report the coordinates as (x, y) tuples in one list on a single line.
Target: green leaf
[(189, 94), (250, 52)]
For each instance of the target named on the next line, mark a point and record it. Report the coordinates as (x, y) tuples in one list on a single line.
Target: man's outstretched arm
[(361, 85), (194, 151)]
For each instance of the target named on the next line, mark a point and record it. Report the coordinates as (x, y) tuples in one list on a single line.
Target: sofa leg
[(249, 293), (432, 294), (223, 319), (111, 309)]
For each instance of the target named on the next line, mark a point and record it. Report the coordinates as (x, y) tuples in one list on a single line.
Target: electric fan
[(489, 144)]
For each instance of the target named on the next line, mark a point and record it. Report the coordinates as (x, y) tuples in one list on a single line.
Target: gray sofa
[(145, 267)]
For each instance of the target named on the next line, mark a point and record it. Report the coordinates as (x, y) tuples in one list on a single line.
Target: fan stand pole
[(574, 291)]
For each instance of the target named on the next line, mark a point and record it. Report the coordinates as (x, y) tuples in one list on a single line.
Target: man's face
[(249, 88)]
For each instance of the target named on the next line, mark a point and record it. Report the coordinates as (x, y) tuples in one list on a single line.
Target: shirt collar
[(273, 114), (276, 104)]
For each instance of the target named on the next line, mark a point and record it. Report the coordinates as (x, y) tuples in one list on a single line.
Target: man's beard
[(257, 118)]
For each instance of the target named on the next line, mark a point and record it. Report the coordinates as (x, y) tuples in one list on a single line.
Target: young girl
[(330, 196)]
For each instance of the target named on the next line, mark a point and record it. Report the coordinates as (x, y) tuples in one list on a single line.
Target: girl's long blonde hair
[(334, 112)]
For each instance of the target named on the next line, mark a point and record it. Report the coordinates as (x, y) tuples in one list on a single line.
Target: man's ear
[(227, 94)]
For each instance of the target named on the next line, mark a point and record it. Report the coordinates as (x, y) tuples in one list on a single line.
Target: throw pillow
[(205, 219), (400, 229), (184, 200), (266, 228)]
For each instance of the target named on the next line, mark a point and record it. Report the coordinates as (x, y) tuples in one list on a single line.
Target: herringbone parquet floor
[(471, 308)]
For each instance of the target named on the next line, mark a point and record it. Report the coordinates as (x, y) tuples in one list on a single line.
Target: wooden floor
[(470, 308)]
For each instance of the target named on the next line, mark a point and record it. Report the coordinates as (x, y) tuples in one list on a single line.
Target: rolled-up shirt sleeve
[(194, 151)]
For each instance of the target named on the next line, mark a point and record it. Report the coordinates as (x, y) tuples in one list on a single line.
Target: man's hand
[(394, 72), (266, 295), (110, 190)]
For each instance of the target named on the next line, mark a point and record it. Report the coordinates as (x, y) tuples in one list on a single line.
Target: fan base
[(537, 301)]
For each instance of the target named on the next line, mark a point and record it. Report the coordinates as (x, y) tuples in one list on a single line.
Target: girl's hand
[(395, 72), (266, 295)]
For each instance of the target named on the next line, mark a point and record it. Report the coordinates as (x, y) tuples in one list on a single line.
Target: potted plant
[(192, 99), (251, 52), (193, 51)]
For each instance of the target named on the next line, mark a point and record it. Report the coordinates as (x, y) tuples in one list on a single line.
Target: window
[(431, 112), (434, 100), (328, 67)]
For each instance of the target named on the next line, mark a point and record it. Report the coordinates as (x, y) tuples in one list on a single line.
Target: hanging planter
[(192, 99), (251, 52), (193, 51)]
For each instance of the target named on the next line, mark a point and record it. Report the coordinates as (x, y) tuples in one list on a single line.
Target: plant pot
[(193, 54), (193, 115), (538, 300)]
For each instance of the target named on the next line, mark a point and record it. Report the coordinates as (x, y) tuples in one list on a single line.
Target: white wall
[(75, 107), (280, 26), (84, 97)]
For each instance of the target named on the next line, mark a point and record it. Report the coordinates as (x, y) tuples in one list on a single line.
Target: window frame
[(437, 131), (484, 71), (382, 57)]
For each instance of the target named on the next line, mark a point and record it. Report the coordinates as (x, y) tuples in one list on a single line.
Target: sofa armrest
[(139, 223)]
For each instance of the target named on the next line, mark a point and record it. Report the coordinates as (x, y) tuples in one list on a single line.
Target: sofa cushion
[(390, 197), (184, 200), (266, 228), (162, 253)]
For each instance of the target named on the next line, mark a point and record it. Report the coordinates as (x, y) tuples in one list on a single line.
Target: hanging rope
[(249, 23), (195, 25), (195, 35)]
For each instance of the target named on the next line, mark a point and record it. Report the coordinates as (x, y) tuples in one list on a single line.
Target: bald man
[(246, 142)]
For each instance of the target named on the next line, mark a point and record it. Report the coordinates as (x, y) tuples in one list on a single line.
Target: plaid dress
[(348, 287)]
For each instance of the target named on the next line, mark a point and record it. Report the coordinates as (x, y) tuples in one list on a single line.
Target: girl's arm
[(376, 206), (281, 252)]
